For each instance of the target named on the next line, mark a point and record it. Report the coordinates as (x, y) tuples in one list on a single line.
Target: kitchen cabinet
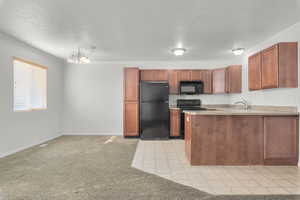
[(241, 139), (269, 62), (274, 67), (234, 79), (173, 82), (154, 75), (281, 140), (254, 72), (227, 80), (205, 76), (219, 81), (245, 143), (184, 75), (187, 136), (131, 84), (131, 117), (174, 122), (131, 102), (175, 76)]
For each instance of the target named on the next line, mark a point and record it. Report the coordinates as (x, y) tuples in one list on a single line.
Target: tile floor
[(167, 159)]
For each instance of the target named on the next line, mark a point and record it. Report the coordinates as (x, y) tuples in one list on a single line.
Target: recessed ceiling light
[(238, 51), (178, 51)]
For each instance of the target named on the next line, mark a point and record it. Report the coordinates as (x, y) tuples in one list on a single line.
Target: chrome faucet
[(244, 103)]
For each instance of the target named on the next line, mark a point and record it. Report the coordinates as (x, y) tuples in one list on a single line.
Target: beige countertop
[(230, 111), (255, 110)]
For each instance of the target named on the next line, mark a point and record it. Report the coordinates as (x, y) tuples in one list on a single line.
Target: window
[(30, 86)]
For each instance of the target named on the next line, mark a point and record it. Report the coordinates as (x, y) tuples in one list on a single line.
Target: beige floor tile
[(258, 190), (232, 183), (284, 183), (249, 183), (167, 159), (221, 190), (278, 190), (240, 190), (293, 190)]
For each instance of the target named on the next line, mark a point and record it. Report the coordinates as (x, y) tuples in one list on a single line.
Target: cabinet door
[(245, 141), (281, 140), (254, 72), (219, 80), (205, 76), (175, 122), (288, 64), (269, 67), (131, 84), (154, 75), (184, 75), (131, 119), (173, 82), (234, 79)]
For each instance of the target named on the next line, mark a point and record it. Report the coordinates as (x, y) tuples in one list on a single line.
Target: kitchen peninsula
[(231, 136)]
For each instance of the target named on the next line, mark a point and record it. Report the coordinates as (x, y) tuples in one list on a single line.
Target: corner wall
[(19, 130)]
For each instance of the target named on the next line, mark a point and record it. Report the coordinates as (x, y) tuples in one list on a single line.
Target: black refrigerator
[(154, 110)]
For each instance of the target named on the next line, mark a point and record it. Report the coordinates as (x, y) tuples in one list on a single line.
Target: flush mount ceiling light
[(78, 57), (178, 51), (238, 51)]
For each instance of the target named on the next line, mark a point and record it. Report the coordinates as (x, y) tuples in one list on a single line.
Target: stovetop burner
[(189, 104)]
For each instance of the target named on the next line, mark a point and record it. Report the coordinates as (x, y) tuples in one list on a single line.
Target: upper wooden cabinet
[(184, 75), (274, 67), (154, 75), (254, 72), (219, 81), (227, 80), (269, 69), (205, 76), (173, 82), (131, 84), (281, 140), (234, 79), (175, 76)]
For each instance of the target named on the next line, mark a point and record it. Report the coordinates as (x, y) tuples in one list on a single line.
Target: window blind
[(30, 87)]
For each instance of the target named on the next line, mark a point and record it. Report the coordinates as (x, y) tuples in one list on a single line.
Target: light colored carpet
[(84, 168)]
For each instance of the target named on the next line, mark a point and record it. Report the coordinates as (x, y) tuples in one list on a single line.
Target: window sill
[(31, 110)]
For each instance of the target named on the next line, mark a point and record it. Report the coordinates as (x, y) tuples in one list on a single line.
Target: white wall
[(279, 96), (19, 130), (94, 94)]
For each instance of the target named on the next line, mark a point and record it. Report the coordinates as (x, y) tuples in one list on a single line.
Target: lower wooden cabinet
[(187, 136), (281, 140), (131, 119), (241, 140), (174, 122)]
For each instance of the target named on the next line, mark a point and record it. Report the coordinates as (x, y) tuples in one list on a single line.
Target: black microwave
[(191, 87)]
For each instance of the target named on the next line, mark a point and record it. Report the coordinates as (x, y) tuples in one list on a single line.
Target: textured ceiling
[(146, 29)]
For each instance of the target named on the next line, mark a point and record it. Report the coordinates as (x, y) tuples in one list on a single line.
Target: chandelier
[(78, 57)]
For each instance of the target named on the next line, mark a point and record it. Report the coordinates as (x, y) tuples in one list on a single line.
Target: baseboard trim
[(106, 134), (28, 146)]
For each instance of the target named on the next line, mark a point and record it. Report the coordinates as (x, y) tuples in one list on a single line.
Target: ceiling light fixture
[(80, 58), (178, 51), (238, 51)]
